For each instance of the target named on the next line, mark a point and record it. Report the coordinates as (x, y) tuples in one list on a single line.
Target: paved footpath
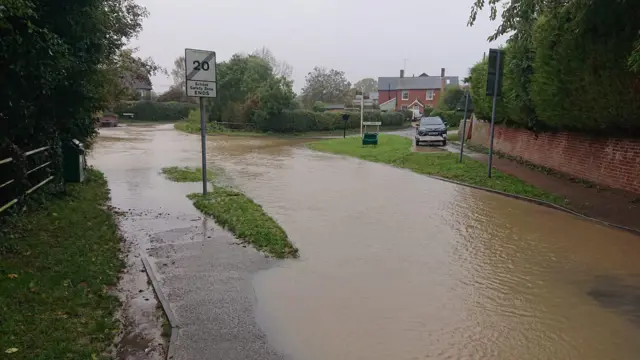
[(203, 274)]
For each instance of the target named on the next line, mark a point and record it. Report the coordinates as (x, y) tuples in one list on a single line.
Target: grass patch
[(246, 220), (396, 150), (56, 264), (185, 174), (453, 137)]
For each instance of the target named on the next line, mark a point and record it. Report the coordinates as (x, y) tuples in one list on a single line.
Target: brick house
[(413, 93)]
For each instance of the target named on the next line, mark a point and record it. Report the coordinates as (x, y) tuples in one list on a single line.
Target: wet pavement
[(394, 265)]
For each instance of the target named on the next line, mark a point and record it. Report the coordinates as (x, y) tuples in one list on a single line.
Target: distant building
[(143, 89), (413, 93)]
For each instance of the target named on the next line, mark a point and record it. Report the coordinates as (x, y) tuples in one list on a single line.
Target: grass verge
[(246, 220), (56, 264), (185, 174), (193, 127), (396, 150)]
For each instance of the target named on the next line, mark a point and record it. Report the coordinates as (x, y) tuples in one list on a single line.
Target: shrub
[(451, 117), (290, 121), (155, 111)]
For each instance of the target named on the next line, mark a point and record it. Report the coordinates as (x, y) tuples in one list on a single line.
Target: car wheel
[(417, 143), (444, 142)]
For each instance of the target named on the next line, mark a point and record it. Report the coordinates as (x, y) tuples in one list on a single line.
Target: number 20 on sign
[(200, 73)]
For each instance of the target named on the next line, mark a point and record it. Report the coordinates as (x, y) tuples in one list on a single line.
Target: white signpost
[(200, 75)]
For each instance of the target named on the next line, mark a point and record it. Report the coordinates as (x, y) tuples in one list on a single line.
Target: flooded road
[(395, 265)]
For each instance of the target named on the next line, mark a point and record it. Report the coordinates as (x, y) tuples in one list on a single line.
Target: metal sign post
[(345, 118), (494, 87), (464, 121), (200, 76)]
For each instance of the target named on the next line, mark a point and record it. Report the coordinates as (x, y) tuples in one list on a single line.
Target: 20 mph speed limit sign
[(200, 71)]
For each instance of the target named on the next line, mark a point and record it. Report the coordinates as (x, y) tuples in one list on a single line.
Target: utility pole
[(464, 121)]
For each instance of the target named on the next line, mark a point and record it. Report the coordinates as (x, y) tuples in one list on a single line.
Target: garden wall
[(614, 162)]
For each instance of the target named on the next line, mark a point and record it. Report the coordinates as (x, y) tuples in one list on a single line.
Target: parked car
[(431, 129), (108, 120)]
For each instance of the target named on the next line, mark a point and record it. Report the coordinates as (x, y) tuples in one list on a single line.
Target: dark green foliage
[(569, 66), (155, 111), (451, 98), (307, 120), (56, 70), (581, 80), (451, 117), (249, 93)]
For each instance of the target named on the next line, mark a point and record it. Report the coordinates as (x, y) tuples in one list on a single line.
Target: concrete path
[(205, 278)]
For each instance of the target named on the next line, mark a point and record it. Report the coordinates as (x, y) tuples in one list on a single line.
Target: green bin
[(73, 162)]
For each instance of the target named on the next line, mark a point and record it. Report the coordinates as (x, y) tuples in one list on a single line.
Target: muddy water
[(395, 265)]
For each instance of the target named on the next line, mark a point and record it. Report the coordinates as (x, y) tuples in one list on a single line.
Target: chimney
[(442, 81), (401, 73)]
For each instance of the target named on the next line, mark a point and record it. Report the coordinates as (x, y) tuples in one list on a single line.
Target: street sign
[(495, 71), (200, 73)]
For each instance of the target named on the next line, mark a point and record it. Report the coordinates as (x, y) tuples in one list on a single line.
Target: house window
[(430, 94), (405, 95), (404, 107)]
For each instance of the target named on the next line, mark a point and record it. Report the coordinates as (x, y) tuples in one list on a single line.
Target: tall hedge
[(568, 70), (290, 121), (155, 111), (582, 81)]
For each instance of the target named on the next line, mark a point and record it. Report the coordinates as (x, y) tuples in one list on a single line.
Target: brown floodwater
[(395, 265)]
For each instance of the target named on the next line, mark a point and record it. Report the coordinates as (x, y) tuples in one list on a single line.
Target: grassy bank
[(246, 220), (185, 174), (193, 127), (396, 150), (239, 214), (56, 263)]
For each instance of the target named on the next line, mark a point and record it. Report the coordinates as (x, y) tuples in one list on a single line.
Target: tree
[(70, 59), (451, 98), (328, 86), (367, 85), (519, 16), (280, 67), (249, 92), (178, 72), (124, 73), (176, 94)]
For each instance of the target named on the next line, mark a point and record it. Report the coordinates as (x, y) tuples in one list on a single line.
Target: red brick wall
[(421, 95), (614, 162)]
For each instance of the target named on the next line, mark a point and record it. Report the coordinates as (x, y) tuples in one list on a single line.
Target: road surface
[(394, 265)]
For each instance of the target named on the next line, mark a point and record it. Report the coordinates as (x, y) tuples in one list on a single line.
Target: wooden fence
[(36, 172)]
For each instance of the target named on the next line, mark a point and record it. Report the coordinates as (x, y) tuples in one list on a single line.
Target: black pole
[(464, 122)]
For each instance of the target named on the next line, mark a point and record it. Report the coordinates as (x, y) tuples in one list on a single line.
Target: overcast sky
[(369, 38)]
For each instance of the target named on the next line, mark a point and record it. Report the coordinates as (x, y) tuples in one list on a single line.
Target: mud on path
[(394, 265)]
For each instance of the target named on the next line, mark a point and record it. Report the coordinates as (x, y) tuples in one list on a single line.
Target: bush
[(451, 117), (290, 121), (569, 73), (155, 111)]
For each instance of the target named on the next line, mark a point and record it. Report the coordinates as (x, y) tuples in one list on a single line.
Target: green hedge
[(290, 121), (155, 111), (452, 117), (569, 73)]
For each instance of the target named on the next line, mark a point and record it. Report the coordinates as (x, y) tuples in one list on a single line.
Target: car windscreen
[(430, 121)]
